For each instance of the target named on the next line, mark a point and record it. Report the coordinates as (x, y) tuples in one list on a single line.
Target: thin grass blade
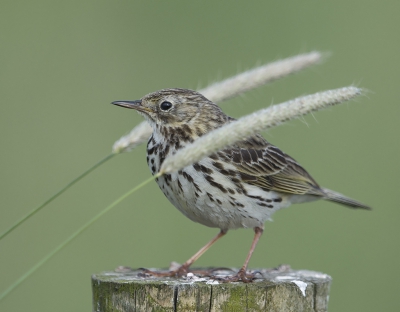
[(53, 197), (70, 238)]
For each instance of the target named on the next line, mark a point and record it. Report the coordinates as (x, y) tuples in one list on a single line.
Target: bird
[(240, 186)]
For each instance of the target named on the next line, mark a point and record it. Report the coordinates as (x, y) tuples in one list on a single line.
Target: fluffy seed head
[(253, 123), (228, 88), (253, 78), (136, 136)]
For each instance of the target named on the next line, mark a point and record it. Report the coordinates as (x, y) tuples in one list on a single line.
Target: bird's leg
[(242, 274), (184, 268)]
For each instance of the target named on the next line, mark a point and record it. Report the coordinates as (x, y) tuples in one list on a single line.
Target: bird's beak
[(137, 105)]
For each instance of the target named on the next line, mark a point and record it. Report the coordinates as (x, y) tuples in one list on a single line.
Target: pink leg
[(198, 254), (242, 272), (184, 268), (242, 275)]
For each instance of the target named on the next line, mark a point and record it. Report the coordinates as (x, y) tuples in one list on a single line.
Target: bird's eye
[(165, 106)]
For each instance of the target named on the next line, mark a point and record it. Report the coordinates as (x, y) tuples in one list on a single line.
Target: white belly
[(201, 202)]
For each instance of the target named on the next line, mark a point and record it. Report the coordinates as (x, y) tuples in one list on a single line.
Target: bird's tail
[(343, 200)]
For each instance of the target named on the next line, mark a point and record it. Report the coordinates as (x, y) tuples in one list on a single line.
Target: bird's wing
[(261, 164)]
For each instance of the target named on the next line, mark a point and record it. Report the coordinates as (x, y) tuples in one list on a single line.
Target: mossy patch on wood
[(273, 291)]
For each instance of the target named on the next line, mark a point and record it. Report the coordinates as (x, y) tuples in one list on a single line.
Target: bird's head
[(174, 108)]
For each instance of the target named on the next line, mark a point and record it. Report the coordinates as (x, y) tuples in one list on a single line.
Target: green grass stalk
[(53, 197)]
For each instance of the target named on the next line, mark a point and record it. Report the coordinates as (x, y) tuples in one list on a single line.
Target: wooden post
[(273, 291)]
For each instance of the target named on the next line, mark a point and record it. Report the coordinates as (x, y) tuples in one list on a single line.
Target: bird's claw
[(242, 275)]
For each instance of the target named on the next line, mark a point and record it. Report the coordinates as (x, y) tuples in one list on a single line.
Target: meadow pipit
[(238, 187)]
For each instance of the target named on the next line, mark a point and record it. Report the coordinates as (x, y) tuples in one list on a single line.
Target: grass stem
[(48, 201)]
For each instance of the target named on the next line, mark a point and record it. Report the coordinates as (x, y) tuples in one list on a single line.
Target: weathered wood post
[(273, 291)]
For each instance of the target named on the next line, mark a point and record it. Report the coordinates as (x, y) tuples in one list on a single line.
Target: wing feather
[(266, 166)]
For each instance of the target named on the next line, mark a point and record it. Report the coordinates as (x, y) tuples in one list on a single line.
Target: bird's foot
[(181, 271), (242, 275)]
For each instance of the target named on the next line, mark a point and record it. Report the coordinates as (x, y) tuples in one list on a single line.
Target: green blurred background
[(63, 62)]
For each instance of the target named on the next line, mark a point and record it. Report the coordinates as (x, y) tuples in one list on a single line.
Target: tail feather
[(343, 200)]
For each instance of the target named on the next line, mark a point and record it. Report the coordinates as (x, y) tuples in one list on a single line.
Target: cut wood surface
[(273, 290)]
